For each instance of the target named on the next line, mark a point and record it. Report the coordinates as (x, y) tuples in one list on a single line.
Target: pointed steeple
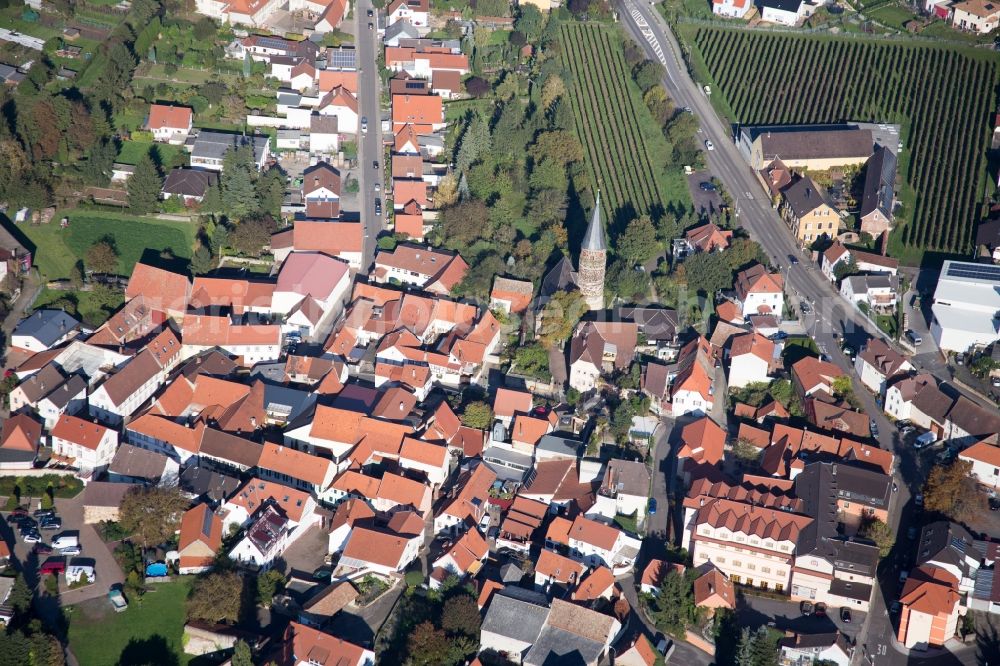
[(594, 238)]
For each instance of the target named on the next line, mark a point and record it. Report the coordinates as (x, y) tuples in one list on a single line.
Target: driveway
[(308, 553)]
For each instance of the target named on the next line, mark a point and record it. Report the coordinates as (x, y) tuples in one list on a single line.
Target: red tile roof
[(172, 117), (78, 431)]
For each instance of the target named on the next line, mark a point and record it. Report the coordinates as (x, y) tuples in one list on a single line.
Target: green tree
[(559, 146), (428, 645), (553, 89), (271, 191), (144, 187), (951, 490), (648, 74), (465, 223), (461, 616), (269, 584), (251, 235), (152, 514), (745, 452), (477, 415), (216, 598), (20, 595), (237, 182), (674, 608), (638, 242), (202, 261), (101, 257), (706, 272), (478, 280), (529, 21), (532, 360), (879, 532), (659, 104), (242, 656), (845, 268), (559, 317), (97, 169), (475, 143)]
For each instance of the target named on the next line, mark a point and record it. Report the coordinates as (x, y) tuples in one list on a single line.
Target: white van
[(925, 439), (66, 541)]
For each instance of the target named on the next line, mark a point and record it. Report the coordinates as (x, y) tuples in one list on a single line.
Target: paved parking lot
[(94, 552), (308, 553), (787, 616), (704, 202)]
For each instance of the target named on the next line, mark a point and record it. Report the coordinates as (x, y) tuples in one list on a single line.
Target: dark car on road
[(652, 506), (820, 610), (845, 615), (806, 607), (51, 523), (706, 186)]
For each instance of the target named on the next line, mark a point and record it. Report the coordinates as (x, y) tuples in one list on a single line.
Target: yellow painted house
[(806, 210)]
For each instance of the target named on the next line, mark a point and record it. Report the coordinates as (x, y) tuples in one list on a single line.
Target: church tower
[(593, 260)]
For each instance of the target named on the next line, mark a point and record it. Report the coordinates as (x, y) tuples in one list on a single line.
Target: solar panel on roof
[(974, 271), (272, 43), (343, 59)]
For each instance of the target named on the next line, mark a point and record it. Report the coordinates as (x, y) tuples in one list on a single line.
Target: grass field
[(132, 150), (57, 249), (625, 149), (942, 96), (149, 631)]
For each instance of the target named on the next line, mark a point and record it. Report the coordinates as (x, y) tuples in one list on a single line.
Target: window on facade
[(750, 582), (778, 587), (751, 567), (736, 579), (763, 584), (766, 570)]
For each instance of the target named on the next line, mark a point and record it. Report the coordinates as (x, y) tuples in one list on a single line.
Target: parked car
[(31, 537), (959, 359), (117, 599), (820, 610), (911, 533), (895, 608), (51, 524), (874, 427), (918, 500), (806, 607), (651, 507), (845, 615), (41, 549), (364, 124), (709, 145), (374, 164), (902, 424), (41, 513), (706, 186), (914, 337), (378, 188), (17, 514), (903, 575), (994, 504), (64, 541), (371, 13), (55, 565), (72, 550)]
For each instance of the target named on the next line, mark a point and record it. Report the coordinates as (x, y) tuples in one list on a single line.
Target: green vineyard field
[(944, 99)]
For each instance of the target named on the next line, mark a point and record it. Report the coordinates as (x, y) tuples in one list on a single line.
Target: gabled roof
[(170, 117), (702, 441), (594, 533), (20, 433), (256, 492), (757, 280), (200, 524), (79, 431), (558, 567), (161, 290)]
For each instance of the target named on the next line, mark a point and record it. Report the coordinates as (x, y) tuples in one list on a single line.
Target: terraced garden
[(625, 150), (943, 98)]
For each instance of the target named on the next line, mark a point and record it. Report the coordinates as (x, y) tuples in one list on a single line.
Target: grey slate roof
[(131, 461), (558, 443), (594, 238), (204, 482), (69, 389), (214, 145), (655, 323), (46, 326), (805, 196), (189, 182), (558, 647), (946, 543), (520, 619), (880, 183)]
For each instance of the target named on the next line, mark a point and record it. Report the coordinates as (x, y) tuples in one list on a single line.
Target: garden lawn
[(57, 249), (133, 150), (98, 635)]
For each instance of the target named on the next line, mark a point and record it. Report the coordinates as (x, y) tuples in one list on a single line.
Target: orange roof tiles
[(257, 492), (509, 402), (812, 373), (748, 519), (200, 525), (529, 430), (752, 343), (713, 589), (558, 531), (355, 483), (20, 433), (594, 533), (330, 79), (368, 545), (930, 590), (558, 567), (703, 441), (473, 494), (161, 290), (240, 295), (164, 430), (401, 490), (76, 430), (349, 512), (595, 585), (423, 452), (294, 464), (423, 111), (171, 117), (305, 645)]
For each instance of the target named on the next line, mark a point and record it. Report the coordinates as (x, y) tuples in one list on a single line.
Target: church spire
[(594, 238), (593, 259)]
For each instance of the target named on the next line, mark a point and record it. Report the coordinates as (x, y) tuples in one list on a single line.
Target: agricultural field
[(625, 150), (943, 98)]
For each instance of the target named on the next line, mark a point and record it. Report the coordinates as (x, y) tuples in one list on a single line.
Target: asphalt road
[(370, 142), (803, 282)]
